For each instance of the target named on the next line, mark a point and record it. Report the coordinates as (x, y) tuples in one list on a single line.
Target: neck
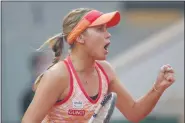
[(82, 62)]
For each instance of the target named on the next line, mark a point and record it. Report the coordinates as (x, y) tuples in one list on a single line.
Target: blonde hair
[(56, 43)]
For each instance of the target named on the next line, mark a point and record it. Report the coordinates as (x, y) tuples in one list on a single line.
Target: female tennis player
[(70, 89)]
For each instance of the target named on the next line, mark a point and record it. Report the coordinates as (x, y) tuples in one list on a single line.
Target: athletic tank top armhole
[(59, 102), (103, 71)]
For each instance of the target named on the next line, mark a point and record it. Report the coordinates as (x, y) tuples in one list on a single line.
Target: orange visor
[(93, 18)]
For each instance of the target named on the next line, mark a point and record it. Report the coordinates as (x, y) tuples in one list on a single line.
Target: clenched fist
[(165, 78)]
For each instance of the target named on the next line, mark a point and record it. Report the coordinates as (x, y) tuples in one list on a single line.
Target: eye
[(100, 28)]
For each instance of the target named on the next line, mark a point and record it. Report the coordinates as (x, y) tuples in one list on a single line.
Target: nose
[(108, 35)]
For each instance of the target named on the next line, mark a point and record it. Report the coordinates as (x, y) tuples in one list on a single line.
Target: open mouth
[(106, 46)]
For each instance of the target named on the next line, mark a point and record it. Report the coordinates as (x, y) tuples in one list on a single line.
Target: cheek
[(94, 42), (96, 50), (97, 40), (95, 45)]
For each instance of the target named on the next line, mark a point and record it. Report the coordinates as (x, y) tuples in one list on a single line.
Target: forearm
[(144, 105)]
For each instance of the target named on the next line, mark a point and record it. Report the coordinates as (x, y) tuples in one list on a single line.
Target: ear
[(80, 39)]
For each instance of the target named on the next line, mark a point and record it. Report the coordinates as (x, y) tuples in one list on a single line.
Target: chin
[(101, 57)]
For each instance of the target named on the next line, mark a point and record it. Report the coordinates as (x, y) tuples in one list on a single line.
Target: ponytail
[(56, 43)]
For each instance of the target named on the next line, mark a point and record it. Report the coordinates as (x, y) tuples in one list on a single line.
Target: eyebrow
[(101, 26)]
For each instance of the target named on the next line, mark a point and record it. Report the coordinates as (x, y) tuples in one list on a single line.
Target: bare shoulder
[(57, 77), (52, 84), (59, 70), (108, 69)]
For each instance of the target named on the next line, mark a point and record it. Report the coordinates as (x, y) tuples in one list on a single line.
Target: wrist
[(157, 89)]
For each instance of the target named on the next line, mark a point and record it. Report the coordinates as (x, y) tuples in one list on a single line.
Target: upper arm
[(51, 86), (125, 102)]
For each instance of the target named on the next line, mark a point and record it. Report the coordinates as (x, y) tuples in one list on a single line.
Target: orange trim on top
[(71, 86)]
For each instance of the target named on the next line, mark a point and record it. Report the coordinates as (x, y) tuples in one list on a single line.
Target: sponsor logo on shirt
[(76, 112), (78, 104)]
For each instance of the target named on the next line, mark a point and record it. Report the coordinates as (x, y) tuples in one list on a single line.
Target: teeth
[(106, 46)]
